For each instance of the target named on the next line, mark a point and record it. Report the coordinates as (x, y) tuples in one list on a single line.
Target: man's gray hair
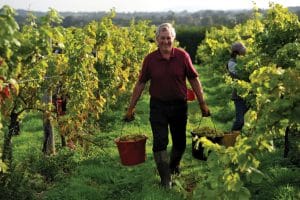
[(164, 27)]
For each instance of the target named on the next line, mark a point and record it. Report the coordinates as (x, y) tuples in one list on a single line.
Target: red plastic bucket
[(132, 152), (190, 95)]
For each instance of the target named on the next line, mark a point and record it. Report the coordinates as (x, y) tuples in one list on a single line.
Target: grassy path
[(97, 174)]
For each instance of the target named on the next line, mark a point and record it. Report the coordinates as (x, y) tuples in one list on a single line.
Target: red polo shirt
[(168, 77)]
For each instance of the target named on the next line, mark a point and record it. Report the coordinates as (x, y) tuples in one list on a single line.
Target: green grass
[(30, 138), (282, 181), (99, 174)]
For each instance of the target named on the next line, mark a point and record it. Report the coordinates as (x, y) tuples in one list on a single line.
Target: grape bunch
[(208, 132)]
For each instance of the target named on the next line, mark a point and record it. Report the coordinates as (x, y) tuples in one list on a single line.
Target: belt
[(168, 102)]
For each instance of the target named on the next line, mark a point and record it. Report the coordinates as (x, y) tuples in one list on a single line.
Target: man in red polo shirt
[(167, 68)]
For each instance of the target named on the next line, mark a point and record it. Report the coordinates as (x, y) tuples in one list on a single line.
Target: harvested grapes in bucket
[(207, 131), (133, 137)]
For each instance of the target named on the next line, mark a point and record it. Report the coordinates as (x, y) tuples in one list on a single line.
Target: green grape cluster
[(131, 137), (208, 132)]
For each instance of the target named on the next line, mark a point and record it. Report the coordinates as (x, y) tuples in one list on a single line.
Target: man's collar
[(172, 55)]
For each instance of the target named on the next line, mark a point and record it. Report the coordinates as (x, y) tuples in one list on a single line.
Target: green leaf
[(256, 176), (244, 194)]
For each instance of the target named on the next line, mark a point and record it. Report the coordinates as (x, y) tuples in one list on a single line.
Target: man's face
[(165, 41)]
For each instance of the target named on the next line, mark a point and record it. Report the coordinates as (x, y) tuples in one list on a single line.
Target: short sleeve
[(232, 69), (191, 72)]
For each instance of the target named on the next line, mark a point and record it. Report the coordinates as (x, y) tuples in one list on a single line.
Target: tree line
[(198, 18), (190, 26)]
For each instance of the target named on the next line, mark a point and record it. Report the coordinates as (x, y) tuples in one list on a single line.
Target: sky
[(141, 5)]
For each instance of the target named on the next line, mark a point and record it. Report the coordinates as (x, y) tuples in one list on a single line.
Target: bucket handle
[(122, 127), (211, 119)]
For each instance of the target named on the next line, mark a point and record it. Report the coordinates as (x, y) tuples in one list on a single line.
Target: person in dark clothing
[(241, 107), (167, 68)]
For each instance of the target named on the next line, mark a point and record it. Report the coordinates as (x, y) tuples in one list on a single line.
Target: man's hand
[(129, 116), (205, 110)]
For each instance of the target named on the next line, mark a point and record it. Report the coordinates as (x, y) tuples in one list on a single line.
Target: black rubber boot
[(175, 161), (162, 164)]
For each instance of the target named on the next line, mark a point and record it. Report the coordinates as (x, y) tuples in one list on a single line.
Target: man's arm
[(137, 91), (197, 87)]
